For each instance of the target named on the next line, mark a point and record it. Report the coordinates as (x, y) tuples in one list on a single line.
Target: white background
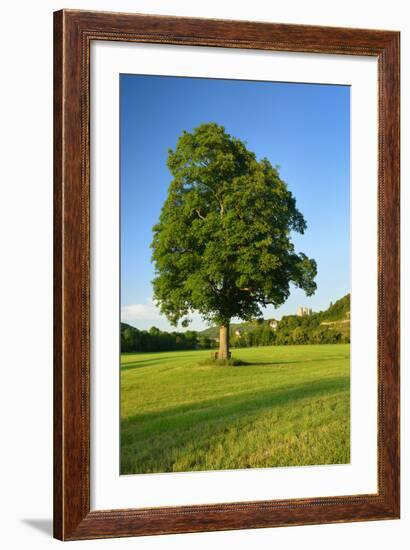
[(26, 274)]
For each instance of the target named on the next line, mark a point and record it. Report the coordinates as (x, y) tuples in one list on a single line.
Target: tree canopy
[(222, 246)]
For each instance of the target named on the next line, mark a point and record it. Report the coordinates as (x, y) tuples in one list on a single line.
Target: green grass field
[(290, 407)]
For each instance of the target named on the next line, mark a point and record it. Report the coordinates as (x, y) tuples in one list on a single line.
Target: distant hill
[(330, 326), (213, 332), (337, 317), (337, 311)]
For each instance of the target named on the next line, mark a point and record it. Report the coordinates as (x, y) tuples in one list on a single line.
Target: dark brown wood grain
[(58, 274), (73, 33)]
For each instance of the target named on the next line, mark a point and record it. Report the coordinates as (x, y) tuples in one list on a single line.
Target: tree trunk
[(223, 352)]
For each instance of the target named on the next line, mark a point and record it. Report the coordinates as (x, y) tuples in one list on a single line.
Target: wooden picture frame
[(73, 33)]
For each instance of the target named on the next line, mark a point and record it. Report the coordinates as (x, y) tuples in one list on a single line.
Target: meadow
[(290, 406)]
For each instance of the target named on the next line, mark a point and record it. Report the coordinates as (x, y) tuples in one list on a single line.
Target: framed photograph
[(226, 275)]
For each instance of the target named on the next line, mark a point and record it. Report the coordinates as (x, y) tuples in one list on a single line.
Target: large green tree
[(222, 246)]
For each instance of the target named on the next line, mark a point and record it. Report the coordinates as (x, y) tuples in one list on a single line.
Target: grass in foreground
[(289, 406)]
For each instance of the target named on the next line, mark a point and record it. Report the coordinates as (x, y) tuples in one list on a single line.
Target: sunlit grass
[(288, 407)]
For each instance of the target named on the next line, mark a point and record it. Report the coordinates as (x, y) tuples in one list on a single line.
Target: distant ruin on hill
[(304, 311)]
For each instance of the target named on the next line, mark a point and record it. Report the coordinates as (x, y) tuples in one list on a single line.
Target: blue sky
[(303, 128)]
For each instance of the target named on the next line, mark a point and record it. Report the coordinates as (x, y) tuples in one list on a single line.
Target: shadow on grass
[(241, 403), (152, 437), (152, 362), (292, 362), (160, 360)]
